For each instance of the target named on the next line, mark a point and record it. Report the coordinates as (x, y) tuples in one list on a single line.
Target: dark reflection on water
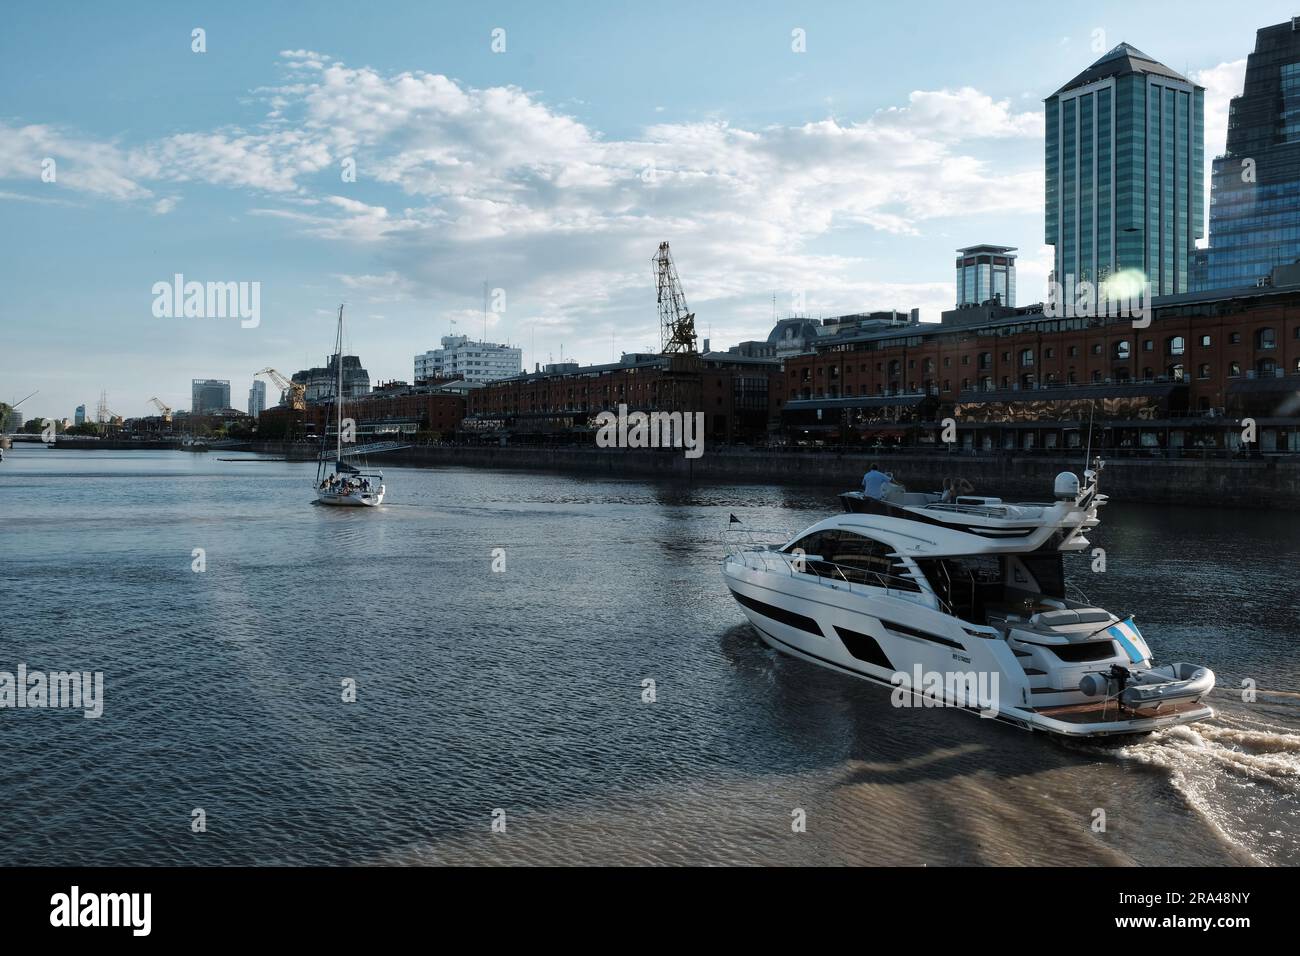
[(523, 690)]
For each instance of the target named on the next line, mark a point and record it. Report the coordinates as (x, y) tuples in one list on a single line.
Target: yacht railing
[(988, 511), (834, 575)]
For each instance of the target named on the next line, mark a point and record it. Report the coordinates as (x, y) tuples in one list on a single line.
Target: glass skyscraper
[(1125, 157), (1255, 187), (984, 273)]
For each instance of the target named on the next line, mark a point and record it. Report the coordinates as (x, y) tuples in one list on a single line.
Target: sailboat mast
[(338, 396)]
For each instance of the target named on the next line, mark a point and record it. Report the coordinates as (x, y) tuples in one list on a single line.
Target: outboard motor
[(1105, 683)]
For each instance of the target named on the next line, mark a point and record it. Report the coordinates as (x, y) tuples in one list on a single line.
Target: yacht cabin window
[(855, 558)]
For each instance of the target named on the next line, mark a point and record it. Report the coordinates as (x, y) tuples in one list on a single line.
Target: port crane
[(165, 410), (676, 323), (290, 391)]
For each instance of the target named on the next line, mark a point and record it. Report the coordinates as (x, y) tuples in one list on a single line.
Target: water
[(521, 691)]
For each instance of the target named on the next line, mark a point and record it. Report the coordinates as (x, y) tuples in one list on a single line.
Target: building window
[(1203, 371), (946, 388), (965, 359), (947, 361), (1122, 350), (1175, 372), (1266, 366), (1074, 351), (1096, 348), (894, 367), (1027, 357), (1120, 374), (1049, 353), (1029, 381), (1206, 341), (1175, 345), (986, 360), (1006, 356), (1096, 376), (1148, 374), (1234, 370), (986, 383), (1234, 338), (1265, 339), (1148, 345)]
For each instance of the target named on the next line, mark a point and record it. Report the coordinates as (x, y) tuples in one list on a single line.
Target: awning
[(860, 401), (1072, 392), (1265, 383)]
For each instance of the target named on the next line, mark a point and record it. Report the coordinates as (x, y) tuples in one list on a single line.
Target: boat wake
[(1241, 774)]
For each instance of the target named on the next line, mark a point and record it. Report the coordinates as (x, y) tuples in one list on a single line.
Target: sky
[(802, 158)]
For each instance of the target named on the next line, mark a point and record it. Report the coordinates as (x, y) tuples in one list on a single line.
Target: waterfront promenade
[(1201, 482)]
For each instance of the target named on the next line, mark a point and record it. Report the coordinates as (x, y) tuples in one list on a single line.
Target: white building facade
[(257, 398), (476, 362)]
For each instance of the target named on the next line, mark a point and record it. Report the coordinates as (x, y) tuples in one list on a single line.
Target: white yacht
[(962, 602)]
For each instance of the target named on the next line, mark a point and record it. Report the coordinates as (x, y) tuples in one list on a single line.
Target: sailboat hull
[(353, 499)]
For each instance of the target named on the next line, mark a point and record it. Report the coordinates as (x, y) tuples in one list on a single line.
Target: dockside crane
[(165, 410), (291, 392), (676, 323)]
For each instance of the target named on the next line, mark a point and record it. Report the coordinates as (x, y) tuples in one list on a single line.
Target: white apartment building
[(476, 362)]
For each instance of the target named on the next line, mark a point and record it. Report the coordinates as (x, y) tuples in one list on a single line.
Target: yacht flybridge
[(961, 601)]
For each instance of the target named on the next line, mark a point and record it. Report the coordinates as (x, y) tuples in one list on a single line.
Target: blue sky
[(840, 178)]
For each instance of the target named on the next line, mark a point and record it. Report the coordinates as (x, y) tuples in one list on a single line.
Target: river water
[(519, 695)]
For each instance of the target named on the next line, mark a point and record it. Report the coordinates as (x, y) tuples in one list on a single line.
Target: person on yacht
[(875, 481)]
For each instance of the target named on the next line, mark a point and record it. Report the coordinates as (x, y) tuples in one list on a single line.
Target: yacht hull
[(925, 656)]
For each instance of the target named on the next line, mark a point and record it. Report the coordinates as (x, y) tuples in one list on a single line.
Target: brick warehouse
[(558, 404), (1015, 378), (394, 411)]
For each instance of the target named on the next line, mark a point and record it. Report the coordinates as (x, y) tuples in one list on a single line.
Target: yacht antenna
[(1087, 456)]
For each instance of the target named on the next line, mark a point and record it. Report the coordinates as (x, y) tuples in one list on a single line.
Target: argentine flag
[(1130, 638)]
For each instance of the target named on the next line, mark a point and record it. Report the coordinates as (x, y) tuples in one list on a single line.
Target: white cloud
[(457, 184)]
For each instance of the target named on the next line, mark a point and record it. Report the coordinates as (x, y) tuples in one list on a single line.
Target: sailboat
[(346, 485)]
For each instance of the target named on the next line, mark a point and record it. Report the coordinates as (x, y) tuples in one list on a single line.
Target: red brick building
[(561, 402), (1204, 358), (396, 411)]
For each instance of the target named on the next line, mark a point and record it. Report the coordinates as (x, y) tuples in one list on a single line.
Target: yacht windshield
[(854, 558)]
